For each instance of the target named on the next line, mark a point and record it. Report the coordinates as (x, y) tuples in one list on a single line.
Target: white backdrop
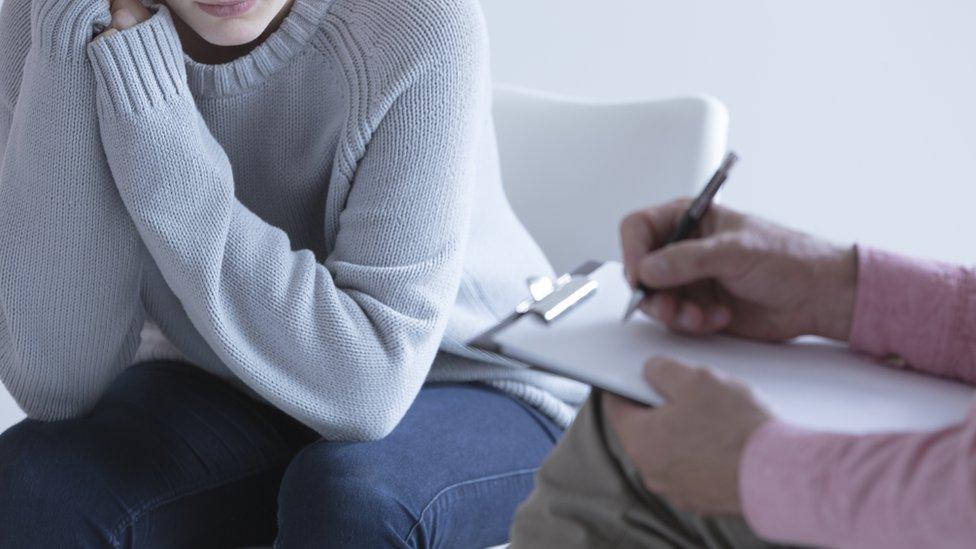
[(855, 120)]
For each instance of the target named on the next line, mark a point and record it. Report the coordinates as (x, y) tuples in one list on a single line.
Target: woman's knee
[(340, 495), (49, 497)]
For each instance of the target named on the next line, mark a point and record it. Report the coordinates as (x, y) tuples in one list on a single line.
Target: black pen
[(689, 221)]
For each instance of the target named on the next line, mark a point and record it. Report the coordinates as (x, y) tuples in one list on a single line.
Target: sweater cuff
[(64, 27), (141, 67), (780, 483), (904, 307)]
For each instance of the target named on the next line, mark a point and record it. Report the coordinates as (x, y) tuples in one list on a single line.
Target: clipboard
[(572, 327)]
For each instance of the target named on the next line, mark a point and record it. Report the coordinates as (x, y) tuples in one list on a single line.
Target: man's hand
[(689, 449), (125, 14), (740, 275)]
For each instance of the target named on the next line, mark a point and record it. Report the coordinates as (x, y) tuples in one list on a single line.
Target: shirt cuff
[(904, 307), (141, 67), (781, 480)]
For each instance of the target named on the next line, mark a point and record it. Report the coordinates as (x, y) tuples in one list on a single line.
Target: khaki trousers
[(588, 495)]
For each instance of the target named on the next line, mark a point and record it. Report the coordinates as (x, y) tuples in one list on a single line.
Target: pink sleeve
[(921, 311), (888, 490), (879, 491)]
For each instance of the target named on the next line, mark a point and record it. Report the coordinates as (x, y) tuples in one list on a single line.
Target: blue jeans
[(173, 457)]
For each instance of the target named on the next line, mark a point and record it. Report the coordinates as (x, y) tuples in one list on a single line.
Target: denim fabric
[(451, 475), (172, 457)]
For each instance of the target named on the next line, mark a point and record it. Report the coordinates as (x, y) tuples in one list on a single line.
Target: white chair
[(572, 169)]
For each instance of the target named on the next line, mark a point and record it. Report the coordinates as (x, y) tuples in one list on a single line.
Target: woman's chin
[(230, 33)]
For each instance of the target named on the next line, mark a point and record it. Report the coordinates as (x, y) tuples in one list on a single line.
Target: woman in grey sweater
[(242, 246)]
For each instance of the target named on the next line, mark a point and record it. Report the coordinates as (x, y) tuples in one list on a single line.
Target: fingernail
[(686, 319)]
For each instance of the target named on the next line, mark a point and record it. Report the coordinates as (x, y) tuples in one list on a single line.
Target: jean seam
[(134, 516), (457, 485)]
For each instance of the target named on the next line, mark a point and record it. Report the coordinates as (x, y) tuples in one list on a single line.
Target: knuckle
[(699, 376), (730, 242), (710, 373), (742, 390)]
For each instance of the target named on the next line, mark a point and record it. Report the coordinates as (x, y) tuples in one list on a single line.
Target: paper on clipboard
[(811, 383)]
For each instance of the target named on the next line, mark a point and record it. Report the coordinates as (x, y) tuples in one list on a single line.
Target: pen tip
[(730, 159), (629, 313)]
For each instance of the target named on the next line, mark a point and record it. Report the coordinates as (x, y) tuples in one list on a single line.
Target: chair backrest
[(572, 169)]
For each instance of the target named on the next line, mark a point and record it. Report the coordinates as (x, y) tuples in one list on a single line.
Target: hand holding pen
[(689, 222), (740, 275)]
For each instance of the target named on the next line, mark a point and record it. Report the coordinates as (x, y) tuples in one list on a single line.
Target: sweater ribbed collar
[(287, 42)]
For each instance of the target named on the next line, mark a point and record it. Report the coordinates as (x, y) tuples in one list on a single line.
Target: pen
[(689, 221)]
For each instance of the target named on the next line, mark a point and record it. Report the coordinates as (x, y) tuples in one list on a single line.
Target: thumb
[(688, 261), (669, 377)]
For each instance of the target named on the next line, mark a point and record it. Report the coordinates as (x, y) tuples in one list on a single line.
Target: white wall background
[(855, 120)]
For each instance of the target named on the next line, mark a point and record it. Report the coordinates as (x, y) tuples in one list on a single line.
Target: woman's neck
[(202, 51)]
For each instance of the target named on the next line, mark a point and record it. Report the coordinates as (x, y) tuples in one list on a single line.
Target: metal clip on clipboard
[(551, 298)]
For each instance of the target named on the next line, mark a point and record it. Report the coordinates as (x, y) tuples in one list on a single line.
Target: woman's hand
[(125, 14), (689, 450), (742, 275)]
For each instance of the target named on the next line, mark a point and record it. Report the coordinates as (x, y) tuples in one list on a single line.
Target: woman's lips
[(231, 8)]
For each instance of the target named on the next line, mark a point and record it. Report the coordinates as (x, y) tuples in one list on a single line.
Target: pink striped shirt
[(890, 490)]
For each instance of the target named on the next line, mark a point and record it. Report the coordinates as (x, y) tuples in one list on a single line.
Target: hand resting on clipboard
[(811, 382)]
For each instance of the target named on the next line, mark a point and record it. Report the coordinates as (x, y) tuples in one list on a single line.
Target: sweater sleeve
[(343, 345), (887, 491), (921, 311), (69, 254)]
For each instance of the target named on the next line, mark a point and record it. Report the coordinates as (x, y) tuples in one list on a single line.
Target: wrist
[(835, 293)]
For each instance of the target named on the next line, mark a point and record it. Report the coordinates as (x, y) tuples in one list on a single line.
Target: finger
[(663, 306), (620, 406), (127, 14), (645, 230), (716, 311), (106, 33), (669, 377), (635, 241), (691, 317), (690, 261), (621, 411), (123, 19), (684, 311), (705, 303), (718, 317), (140, 12), (701, 317)]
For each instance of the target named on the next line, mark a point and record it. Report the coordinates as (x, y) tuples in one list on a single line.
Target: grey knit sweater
[(321, 221)]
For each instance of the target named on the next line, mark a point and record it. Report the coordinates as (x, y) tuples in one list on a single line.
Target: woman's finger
[(106, 33), (122, 19), (127, 14)]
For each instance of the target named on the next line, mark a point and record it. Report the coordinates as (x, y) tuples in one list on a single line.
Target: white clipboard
[(576, 331)]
